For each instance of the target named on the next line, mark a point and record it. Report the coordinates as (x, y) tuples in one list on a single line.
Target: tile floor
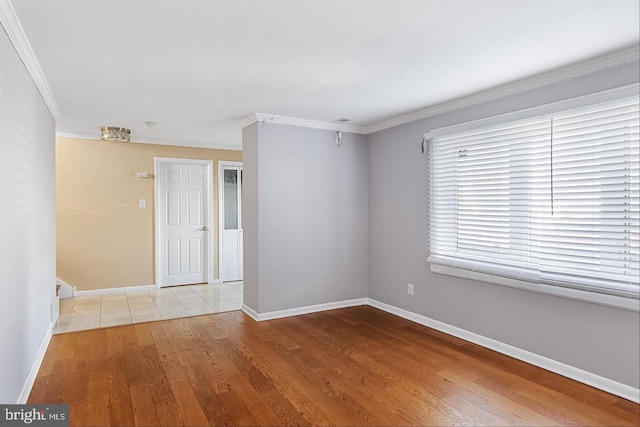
[(100, 311)]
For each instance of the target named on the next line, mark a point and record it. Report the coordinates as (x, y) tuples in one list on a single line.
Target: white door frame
[(208, 198), (221, 165)]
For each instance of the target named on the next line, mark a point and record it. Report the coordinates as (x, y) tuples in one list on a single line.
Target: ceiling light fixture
[(150, 123), (341, 120), (115, 134)]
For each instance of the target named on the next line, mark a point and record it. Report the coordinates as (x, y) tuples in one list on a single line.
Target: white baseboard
[(302, 310), (250, 312), (115, 290), (66, 290), (215, 282), (563, 369), (35, 368)]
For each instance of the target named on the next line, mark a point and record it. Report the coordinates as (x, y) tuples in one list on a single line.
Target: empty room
[(323, 212)]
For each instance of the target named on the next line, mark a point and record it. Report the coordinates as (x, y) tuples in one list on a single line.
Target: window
[(550, 200)]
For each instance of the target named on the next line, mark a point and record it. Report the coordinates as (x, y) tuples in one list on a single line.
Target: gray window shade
[(550, 200)]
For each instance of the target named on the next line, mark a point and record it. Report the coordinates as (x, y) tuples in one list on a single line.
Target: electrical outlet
[(410, 289)]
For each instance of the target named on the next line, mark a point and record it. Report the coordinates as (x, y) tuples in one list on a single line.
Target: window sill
[(608, 300)]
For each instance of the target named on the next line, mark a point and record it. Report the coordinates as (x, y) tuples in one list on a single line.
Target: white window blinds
[(550, 200)]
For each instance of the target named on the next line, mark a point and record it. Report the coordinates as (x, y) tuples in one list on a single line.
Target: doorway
[(183, 216), (231, 237)]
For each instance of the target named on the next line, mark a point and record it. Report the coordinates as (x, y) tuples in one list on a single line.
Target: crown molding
[(157, 141), (249, 120), (305, 123), (591, 66), (190, 144), (18, 38), (76, 135), (614, 59), (631, 54)]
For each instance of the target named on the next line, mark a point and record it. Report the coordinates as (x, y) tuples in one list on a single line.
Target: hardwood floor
[(354, 366)]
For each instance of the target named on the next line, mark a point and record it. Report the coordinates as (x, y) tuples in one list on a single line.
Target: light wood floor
[(355, 366)]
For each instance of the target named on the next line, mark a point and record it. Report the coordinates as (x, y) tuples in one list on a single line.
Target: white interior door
[(231, 214), (182, 219)]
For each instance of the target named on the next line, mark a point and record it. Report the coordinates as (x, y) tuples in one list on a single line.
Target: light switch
[(142, 203), (143, 175)]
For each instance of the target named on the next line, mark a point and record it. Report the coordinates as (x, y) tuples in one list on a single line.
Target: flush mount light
[(150, 123), (341, 120), (114, 134)]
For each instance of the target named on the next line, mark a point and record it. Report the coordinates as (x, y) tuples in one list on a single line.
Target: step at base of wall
[(55, 310)]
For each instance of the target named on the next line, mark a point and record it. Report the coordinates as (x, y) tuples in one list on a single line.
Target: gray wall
[(598, 339), (27, 221), (250, 209), (311, 231)]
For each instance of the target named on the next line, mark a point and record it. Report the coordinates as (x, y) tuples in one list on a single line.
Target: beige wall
[(104, 240)]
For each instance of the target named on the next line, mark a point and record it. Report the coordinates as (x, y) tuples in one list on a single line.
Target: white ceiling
[(198, 67)]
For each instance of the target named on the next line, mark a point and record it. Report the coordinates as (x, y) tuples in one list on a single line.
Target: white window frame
[(546, 109)]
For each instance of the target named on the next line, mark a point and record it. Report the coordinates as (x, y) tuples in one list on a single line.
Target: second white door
[(231, 209), (182, 219)]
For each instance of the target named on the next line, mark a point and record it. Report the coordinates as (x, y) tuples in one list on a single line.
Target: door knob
[(205, 228)]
